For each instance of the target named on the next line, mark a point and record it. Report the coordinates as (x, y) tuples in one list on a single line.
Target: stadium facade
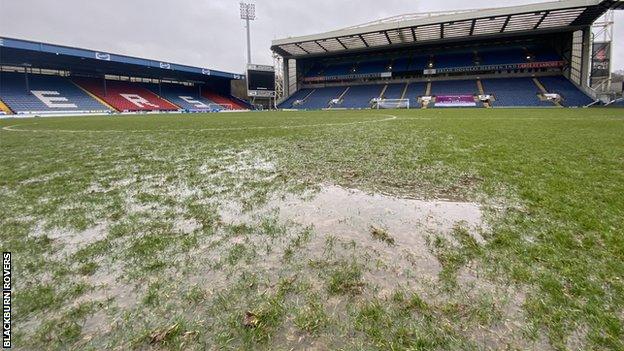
[(539, 55), (46, 79)]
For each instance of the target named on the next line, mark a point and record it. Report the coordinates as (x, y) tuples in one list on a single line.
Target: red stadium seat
[(126, 96), (223, 100)]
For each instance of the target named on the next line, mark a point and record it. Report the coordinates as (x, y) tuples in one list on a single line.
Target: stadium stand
[(45, 94), (300, 96), (464, 59), (321, 97), (571, 95), (499, 56), (126, 96), (414, 91), (339, 69), (514, 92), (401, 64), (394, 91), (4, 109), (481, 56), (454, 87), (373, 66), (464, 88), (186, 97), (226, 101), (360, 96)]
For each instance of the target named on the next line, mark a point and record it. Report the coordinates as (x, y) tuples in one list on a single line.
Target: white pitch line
[(11, 128)]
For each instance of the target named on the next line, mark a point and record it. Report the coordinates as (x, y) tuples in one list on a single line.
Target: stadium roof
[(24, 53), (449, 26)]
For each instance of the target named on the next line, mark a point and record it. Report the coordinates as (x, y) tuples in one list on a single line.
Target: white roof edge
[(537, 7)]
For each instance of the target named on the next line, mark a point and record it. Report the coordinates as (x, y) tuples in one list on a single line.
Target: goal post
[(390, 103)]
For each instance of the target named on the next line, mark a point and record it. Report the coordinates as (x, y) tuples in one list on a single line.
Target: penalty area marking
[(11, 128)]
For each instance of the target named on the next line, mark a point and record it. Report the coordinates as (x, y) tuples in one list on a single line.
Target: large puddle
[(348, 212), (351, 215)]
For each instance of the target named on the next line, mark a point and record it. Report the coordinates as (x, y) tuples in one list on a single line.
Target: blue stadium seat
[(186, 97), (414, 91), (570, 94), (339, 69), (321, 97), (454, 60), (377, 66), (454, 87), (514, 92), (299, 95), (499, 56), (400, 64), (359, 96), (394, 91), (419, 63), (45, 94), (544, 54)]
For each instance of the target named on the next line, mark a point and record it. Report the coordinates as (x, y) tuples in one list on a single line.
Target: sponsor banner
[(601, 60), (547, 64), (102, 56), (165, 65), (455, 101), (343, 77), (433, 71), (206, 71)]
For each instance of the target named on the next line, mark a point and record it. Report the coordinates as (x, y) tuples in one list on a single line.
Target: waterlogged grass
[(123, 234)]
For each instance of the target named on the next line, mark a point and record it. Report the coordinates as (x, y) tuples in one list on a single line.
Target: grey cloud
[(207, 33)]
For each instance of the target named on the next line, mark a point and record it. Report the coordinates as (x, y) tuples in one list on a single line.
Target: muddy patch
[(72, 240)]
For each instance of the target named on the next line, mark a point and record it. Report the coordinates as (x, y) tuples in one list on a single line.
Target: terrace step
[(307, 96), (482, 92), (543, 90), (404, 91), (383, 91)]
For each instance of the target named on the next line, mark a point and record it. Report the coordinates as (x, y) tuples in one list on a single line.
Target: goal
[(390, 103), (219, 107)]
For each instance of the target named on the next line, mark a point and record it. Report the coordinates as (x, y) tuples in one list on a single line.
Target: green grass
[(552, 180)]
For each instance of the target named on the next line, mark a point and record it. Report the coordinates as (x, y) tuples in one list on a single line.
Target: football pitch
[(461, 229)]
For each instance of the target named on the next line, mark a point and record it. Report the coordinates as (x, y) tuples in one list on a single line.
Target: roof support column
[(104, 84), (26, 80), (286, 77), (586, 57)]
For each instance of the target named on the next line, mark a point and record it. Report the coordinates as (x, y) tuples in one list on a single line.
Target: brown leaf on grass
[(382, 235), (160, 335), (250, 320)]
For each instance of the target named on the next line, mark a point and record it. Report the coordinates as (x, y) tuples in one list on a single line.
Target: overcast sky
[(208, 33)]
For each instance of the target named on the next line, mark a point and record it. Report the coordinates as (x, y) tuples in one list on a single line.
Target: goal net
[(390, 103), (219, 107)]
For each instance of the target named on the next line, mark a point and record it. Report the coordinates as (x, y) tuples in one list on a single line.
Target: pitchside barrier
[(455, 101), (390, 103)]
